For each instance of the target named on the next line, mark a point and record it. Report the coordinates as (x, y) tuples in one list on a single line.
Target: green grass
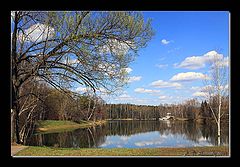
[(50, 126), (192, 151)]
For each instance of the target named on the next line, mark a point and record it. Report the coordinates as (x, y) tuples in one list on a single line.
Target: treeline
[(39, 101), (190, 109), (60, 106)]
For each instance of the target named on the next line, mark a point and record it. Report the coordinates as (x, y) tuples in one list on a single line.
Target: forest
[(190, 109)]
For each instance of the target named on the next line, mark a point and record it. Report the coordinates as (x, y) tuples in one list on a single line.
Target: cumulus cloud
[(200, 94), (36, 33), (165, 42), (142, 90), (164, 84), (134, 78), (188, 76), (197, 62)]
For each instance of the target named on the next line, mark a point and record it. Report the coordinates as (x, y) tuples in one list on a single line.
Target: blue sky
[(178, 36), (172, 67)]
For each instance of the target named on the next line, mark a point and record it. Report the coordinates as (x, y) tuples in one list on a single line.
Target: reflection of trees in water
[(93, 137), (191, 130), (80, 138)]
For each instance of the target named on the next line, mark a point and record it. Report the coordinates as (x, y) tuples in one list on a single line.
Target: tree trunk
[(12, 126), (15, 89), (16, 110), (219, 121), (18, 141)]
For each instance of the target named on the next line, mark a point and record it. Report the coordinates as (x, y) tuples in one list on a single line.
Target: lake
[(135, 134)]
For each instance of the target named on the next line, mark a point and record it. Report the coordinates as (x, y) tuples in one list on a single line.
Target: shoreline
[(50, 126)]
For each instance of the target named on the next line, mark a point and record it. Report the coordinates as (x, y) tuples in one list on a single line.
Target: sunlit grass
[(50, 126), (193, 151)]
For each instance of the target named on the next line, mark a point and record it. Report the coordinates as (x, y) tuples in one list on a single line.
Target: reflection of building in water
[(168, 123)]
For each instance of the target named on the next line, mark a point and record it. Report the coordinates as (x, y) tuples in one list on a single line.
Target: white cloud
[(70, 61), (209, 90), (124, 138), (195, 88), (226, 86), (188, 76), (197, 62), (109, 69), (200, 94), (116, 47), (226, 61), (165, 42), (162, 97), (142, 90), (148, 143), (212, 89), (202, 139), (81, 90), (36, 33), (124, 96), (128, 69), (101, 91), (191, 63), (164, 84), (134, 78), (162, 65), (223, 62)]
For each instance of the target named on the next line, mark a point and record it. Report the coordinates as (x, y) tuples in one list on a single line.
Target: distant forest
[(58, 106)]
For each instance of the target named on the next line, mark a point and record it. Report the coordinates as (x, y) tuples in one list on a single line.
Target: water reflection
[(135, 134)]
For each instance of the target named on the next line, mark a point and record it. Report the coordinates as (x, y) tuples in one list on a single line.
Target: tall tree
[(217, 88), (62, 48)]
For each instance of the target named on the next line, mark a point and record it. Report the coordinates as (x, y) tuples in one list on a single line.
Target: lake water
[(135, 134)]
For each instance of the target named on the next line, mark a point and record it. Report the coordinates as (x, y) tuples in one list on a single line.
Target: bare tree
[(62, 48), (216, 88)]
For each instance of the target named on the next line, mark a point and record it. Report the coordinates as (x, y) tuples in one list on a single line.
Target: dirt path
[(16, 148)]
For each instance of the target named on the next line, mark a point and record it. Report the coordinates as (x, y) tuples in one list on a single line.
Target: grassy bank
[(49, 126), (192, 151)]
